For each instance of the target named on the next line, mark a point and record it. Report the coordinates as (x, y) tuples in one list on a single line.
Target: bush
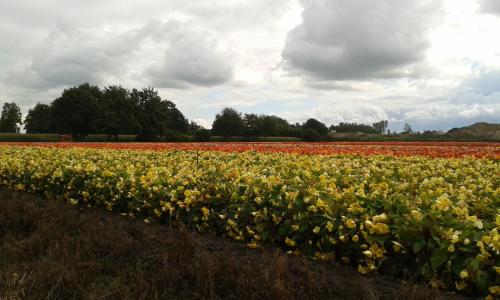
[(174, 136), (21, 137), (311, 135), (202, 135)]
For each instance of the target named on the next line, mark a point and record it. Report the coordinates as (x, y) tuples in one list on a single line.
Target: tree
[(316, 125), (117, 112), (228, 123), (150, 115), (39, 119), (77, 111), (174, 118), (11, 118), (311, 135), (381, 126), (353, 127), (407, 129), (156, 116), (202, 135)]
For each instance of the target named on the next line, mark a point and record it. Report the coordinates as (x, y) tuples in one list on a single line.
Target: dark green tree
[(228, 122), (118, 112), (11, 118), (311, 135), (174, 118), (381, 126), (39, 119), (77, 111), (156, 117), (320, 127), (407, 129), (353, 127)]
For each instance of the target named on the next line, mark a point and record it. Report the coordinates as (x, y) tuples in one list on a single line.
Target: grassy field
[(54, 251)]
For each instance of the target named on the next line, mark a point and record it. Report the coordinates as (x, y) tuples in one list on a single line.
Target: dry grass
[(51, 251)]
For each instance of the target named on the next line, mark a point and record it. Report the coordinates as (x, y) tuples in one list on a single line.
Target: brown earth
[(49, 250)]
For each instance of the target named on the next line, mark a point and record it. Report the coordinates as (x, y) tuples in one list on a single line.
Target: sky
[(434, 64)]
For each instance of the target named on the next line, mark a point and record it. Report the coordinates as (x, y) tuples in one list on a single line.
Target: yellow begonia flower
[(350, 223)]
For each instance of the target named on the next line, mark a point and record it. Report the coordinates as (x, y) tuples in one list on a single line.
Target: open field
[(432, 149), (419, 211)]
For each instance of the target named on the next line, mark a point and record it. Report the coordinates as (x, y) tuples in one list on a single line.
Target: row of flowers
[(448, 149), (431, 219)]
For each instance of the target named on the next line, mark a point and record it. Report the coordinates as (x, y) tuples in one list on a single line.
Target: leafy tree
[(150, 115), (117, 112), (11, 118), (353, 127), (311, 135), (407, 129), (202, 135), (228, 123), (194, 127), (174, 118), (156, 117), (252, 125), (381, 126), (318, 126), (77, 111), (39, 119)]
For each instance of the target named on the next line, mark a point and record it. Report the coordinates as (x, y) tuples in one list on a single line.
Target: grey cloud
[(70, 57), (359, 39), (192, 57), (490, 7), (73, 56), (486, 84)]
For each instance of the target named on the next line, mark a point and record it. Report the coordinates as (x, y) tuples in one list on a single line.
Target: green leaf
[(439, 257), (418, 245)]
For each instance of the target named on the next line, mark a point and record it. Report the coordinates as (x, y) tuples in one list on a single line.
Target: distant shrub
[(311, 135), (22, 137), (174, 136), (202, 135)]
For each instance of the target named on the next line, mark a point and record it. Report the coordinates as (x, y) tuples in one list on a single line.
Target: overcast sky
[(433, 64)]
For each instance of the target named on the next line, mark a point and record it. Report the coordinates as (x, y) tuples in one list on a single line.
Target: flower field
[(432, 149), (414, 210)]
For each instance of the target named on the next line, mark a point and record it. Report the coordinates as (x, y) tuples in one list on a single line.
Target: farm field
[(433, 149), (422, 211)]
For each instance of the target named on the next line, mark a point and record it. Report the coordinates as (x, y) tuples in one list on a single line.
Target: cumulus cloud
[(71, 57), (192, 57), (359, 39)]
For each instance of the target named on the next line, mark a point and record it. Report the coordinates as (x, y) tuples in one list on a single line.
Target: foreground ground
[(50, 250)]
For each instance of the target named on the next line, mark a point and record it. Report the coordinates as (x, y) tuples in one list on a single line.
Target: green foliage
[(39, 119), (11, 118), (381, 126), (353, 127), (228, 122), (76, 110), (311, 135), (202, 135), (318, 126), (19, 137)]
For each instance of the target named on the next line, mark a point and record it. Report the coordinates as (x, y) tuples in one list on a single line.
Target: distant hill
[(477, 130)]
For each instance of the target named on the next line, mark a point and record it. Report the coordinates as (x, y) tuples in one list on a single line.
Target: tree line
[(114, 110)]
